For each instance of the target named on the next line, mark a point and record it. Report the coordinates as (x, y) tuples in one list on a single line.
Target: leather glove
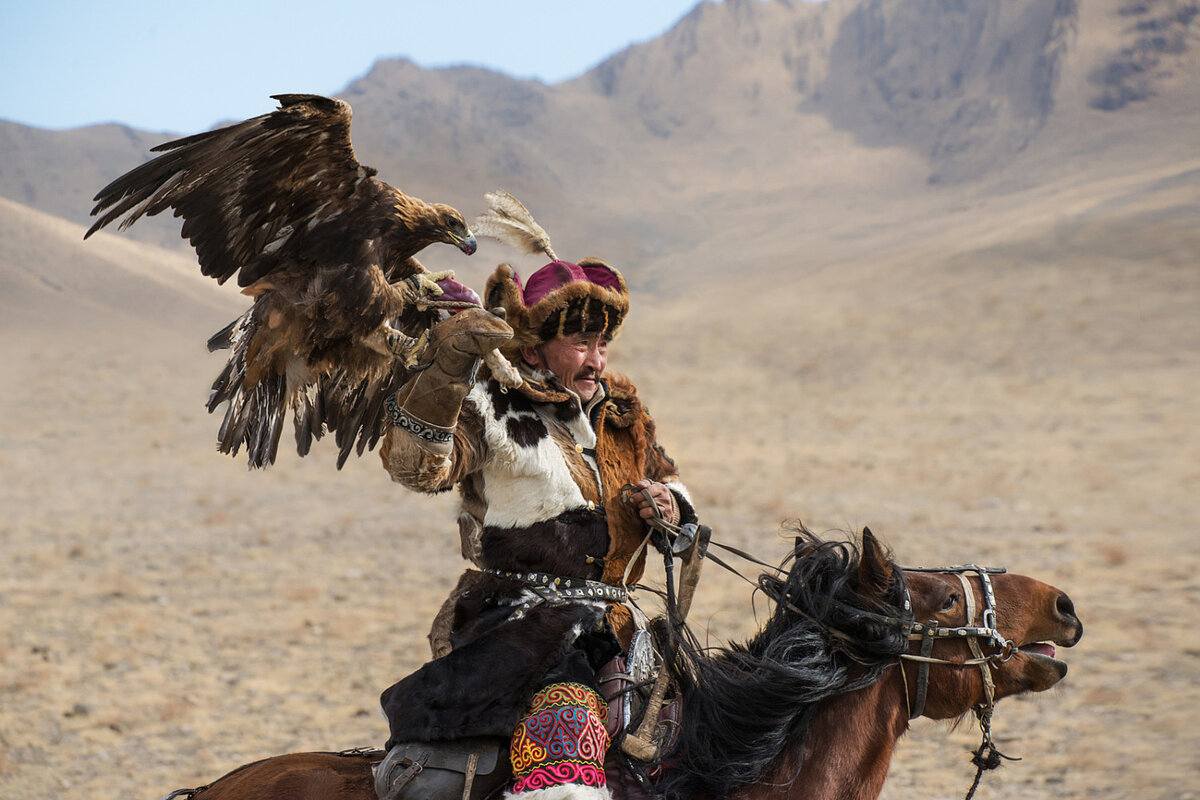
[(458, 342), (428, 404)]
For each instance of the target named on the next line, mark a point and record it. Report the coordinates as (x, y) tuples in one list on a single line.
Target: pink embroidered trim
[(561, 740)]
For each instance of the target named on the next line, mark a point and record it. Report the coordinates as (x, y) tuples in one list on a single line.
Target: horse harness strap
[(409, 769), (985, 665), (986, 756), (927, 632), (918, 706)]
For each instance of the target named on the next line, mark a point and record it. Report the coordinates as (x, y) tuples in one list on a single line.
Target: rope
[(993, 758)]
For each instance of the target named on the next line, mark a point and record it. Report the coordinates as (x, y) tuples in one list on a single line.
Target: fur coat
[(540, 477)]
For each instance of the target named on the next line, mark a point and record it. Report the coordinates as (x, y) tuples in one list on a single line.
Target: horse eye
[(950, 601)]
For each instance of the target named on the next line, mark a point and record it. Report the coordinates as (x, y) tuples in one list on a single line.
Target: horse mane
[(745, 703)]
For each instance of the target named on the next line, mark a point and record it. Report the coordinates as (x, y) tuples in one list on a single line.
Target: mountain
[(59, 172), (757, 146), (51, 283), (664, 142)]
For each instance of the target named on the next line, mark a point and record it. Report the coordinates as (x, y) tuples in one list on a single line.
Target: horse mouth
[(1040, 648), (1045, 653)]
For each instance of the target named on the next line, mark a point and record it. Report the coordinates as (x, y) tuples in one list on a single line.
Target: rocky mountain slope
[(738, 100)]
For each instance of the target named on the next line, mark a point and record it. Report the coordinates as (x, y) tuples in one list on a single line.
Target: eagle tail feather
[(389, 385), (255, 414), (265, 421), (233, 427), (307, 418), (351, 422)]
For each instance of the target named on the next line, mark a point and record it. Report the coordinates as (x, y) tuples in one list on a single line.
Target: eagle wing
[(325, 250), (245, 190)]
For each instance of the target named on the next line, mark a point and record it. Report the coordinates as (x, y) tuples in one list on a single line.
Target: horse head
[(1030, 618), (813, 704)]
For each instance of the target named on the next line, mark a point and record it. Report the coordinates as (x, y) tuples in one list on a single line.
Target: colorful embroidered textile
[(561, 740)]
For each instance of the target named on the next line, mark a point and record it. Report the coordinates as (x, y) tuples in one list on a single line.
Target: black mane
[(745, 703)]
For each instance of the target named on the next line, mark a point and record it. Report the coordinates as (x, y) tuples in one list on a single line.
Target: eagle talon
[(403, 346), (424, 285)]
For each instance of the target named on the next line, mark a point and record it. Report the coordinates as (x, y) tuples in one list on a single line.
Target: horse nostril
[(1065, 607)]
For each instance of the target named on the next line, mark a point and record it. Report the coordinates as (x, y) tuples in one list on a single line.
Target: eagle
[(325, 249)]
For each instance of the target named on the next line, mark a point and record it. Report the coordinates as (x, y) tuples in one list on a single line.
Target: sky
[(181, 66)]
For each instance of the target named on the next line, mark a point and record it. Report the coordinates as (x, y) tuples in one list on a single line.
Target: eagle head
[(449, 227)]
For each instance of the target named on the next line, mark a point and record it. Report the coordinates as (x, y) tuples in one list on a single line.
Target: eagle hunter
[(326, 251)]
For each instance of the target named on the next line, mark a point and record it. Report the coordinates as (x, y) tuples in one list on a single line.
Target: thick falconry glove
[(427, 406)]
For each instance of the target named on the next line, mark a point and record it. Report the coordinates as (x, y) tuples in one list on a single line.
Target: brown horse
[(813, 705)]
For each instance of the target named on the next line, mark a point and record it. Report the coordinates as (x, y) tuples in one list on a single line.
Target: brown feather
[(509, 221)]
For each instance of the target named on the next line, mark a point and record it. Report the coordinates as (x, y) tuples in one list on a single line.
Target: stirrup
[(397, 770)]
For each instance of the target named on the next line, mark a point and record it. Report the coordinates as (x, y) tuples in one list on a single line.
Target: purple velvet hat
[(559, 299)]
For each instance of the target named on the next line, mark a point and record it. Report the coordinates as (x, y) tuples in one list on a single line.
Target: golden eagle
[(326, 251)]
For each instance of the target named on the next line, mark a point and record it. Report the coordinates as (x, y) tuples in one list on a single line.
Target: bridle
[(986, 756), (928, 632)]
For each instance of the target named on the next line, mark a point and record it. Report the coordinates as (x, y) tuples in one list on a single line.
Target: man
[(540, 470)]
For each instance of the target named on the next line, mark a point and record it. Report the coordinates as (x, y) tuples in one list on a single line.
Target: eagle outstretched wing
[(327, 252)]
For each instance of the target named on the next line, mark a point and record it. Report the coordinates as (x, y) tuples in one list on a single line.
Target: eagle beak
[(467, 243)]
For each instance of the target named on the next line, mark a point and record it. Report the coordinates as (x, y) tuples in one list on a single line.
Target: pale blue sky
[(181, 66)]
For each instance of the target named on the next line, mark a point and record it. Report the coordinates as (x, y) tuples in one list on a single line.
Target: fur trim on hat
[(575, 307)]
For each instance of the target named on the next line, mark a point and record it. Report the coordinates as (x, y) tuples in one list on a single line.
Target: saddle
[(626, 683)]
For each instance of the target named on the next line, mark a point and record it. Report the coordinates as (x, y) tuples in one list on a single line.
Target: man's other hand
[(661, 498)]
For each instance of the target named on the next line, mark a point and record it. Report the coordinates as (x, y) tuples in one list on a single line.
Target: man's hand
[(661, 498)]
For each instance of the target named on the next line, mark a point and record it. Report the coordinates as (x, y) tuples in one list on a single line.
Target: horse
[(812, 706)]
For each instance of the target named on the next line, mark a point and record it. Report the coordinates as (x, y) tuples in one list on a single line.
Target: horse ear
[(805, 540), (874, 567)]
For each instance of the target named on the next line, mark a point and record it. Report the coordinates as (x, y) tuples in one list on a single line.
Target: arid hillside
[(921, 265)]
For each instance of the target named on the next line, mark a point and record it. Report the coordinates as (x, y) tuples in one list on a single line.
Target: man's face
[(578, 360)]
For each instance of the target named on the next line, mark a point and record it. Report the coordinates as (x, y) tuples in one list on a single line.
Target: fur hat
[(559, 299)]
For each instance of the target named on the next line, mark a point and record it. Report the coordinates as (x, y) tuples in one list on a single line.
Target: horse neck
[(846, 753)]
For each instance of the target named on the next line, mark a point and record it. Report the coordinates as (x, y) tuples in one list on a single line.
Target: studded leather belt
[(557, 590)]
